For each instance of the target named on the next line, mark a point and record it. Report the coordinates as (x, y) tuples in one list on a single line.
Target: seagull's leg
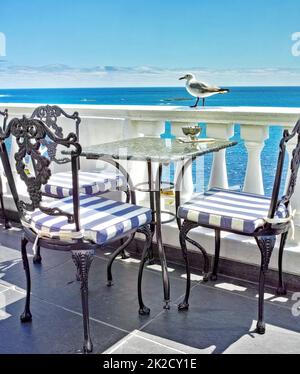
[(203, 102), (195, 106)]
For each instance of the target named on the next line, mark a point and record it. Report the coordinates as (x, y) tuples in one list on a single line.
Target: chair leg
[(204, 253), (114, 256), (185, 304), (37, 258), (266, 245), (281, 290), (185, 229), (83, 261), (143, 310), (26, 315), (214, 275)]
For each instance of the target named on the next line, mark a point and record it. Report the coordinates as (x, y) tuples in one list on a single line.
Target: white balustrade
[(218, 176), (254, 137), (106, 123)]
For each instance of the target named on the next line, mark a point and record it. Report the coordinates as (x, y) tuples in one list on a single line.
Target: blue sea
[(164, 96)]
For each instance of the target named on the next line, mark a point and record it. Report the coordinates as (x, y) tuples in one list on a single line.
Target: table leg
[(178, 186), (161, 251), (152, 207)]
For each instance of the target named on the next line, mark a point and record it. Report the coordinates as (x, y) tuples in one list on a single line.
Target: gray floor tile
[(219, 319), (139, 342), (52, 330)]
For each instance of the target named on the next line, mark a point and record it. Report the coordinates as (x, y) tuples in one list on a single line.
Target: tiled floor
[(221, 318)]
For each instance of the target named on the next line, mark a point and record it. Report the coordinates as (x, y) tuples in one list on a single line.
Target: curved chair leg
[(281, 290), (177, 205), (214, 275), (26, 315), (143, 310), (203, 251), (124, 254), (266, 245), (37, 258), (114, 256), (83, 261), (185, 304), (185, 229)]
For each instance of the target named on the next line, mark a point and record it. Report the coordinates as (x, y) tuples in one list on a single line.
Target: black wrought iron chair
[(90, 183), (78, 223), (245, 214), (7, 224)]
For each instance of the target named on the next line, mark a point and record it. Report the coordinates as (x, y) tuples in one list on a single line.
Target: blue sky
[(148, 42)]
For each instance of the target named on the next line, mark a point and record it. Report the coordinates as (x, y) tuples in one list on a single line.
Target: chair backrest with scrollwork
[(294, 168), (50, 115), (29, 134)]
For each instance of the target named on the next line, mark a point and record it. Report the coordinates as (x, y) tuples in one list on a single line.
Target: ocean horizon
[(274, 96)]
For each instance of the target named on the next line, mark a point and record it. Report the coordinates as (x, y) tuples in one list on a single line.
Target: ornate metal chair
[(90, 183), (245, 214), (7, 224), (79, 223)]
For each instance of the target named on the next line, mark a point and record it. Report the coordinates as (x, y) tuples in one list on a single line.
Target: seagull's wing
[(203, 87)]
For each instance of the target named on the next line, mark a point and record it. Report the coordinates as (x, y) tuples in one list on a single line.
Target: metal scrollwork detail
[(29, 134), (49, 115), (83, 261), (266, 245)]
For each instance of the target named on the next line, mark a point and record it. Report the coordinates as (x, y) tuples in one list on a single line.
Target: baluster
[(218, 175), (254, 137), (187, 188)]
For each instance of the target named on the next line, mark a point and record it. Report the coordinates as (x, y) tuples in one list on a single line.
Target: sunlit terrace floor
[(221, 317)]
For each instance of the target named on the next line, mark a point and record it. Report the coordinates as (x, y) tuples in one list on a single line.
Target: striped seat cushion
[(90, 183), (101, 219), (229, 210)]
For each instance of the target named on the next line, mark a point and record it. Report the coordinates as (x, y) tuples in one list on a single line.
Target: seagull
[(201, 90)]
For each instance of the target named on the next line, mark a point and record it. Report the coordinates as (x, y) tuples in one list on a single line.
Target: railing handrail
[(260, 116)]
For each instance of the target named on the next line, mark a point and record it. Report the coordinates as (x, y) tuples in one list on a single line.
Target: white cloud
[(59, 75)]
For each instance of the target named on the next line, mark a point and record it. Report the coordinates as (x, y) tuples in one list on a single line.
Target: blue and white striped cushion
[(101, 219), (229, 210), (90, 183)]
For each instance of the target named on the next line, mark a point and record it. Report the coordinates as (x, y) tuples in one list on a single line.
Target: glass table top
[(154, 149)]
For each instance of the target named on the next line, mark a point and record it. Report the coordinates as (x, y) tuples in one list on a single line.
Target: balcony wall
[(102, 124)]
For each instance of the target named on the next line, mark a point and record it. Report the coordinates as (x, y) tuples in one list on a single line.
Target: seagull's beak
[(182, 78)]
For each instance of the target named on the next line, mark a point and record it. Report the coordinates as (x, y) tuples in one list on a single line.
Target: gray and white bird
[(201, 90)]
